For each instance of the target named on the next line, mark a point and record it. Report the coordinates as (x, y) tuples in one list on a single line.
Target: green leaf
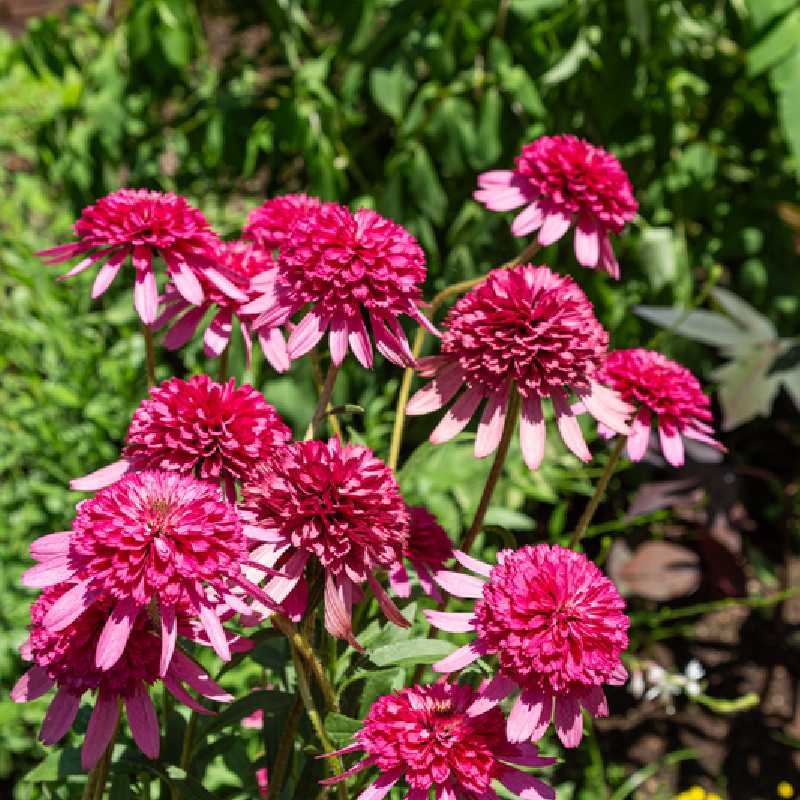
[(658, 256), (341, 728), (413, 652), (707, 327), (267, 699), (426, 186), (390, 89), (780, 42), (745, 314), (56, 766)]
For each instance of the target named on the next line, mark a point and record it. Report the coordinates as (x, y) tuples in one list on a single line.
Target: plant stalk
[(149, 356), (512, 412), (419, 341), (599, 491), (278, 772), (324, 401)]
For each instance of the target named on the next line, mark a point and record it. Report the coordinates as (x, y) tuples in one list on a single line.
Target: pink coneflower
[(141, 223), (561, 181), (337, 504), (428, 548), (557, 627), (65, 658), (427, 736), (269, 225), (252, 271), (346, 265), (658, 386), (214, 431), (153, 539), (526, 330)]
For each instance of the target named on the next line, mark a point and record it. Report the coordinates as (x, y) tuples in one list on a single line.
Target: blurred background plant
[(396, 105)]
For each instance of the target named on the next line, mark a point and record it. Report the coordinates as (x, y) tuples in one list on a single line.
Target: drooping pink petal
[(102, 725), (34, 683), (182, 696), (495, 177), (225, 286), (169, 635), (337, 338), (273, 345), (457, 417), (568, 427), (608, 261), (492, 694), (459, 659), (186, 670), (473, 564), (186, 282), (398, 579), (526, 786), (279, 588), (671, 443), (390, 610), (143, 721), (215, 631), (532, 431), (490, 428), (607, 407), (595, 702), (114, 637), (101, 478), (48, 573), (337, 617), (145, 291), (184, 328), (359, 341), (59, 717), (501, 198), (451, 621), (382, 785), (556, 224), (307, 334), (639, 436), (458, 584), (53, 545), (438, 392), (363, 764), (530, 716), (69, 607), (108, 272), (528, 220), (83, 265), (587, 241), (569, 721), (218, 333)]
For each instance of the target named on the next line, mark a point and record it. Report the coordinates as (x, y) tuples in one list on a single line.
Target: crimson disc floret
[(660, 387), (140, 223), (526, 330), (336, 504), (269, 225), (561, 181)]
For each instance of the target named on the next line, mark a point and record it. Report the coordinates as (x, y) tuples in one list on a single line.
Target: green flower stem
[(512, 412), (149, 355), (599, 491), (278, 772), (419, 341), (324, 401)]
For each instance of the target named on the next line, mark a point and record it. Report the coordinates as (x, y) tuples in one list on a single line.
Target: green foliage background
[(394, 104)]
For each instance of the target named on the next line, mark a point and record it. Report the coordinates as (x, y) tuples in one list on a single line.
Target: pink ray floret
[(659, 387), (426, 737), (557, 627), (269, 225), (153, 540), (428, 549), (65, 658), (251, 273), (350, 268), (215, 431), (530, 329), (563, 181), (336, 504), (139, 223)]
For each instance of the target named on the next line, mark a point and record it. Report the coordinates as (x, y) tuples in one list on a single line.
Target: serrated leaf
[(746, 390), (413, 652), (707, 327)]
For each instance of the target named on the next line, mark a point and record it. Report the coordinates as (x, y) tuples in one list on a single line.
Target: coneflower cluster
[(213, 519)]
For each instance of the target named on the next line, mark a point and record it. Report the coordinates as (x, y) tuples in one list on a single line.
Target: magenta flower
[(141, 223), (656, 385), (526, 330), (214, 431), (561, 181), (427, 735), (337, 504), (252, 272), (66, 658), (557, 627), (152, 539), (427, 549), (269, 225), (346, 265)]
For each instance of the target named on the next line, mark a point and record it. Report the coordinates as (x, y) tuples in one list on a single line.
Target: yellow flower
[(713, 796), (696, 793), (785, 790)]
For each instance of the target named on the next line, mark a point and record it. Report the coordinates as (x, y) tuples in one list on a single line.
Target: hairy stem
[(188, 742), (300, 643), (278, 772), (512, 412), (419, 341), (149, 355), (324, 401), (599, 491), (316, 371)]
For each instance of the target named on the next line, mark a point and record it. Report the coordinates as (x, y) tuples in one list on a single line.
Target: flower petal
[(569, 721), (102, 725), (457, 417), (568, 427), (587, 241), (101, 478), (59, 717), (451, 621), (116, 632), (490, 428), (459, 659), (532, 431)]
